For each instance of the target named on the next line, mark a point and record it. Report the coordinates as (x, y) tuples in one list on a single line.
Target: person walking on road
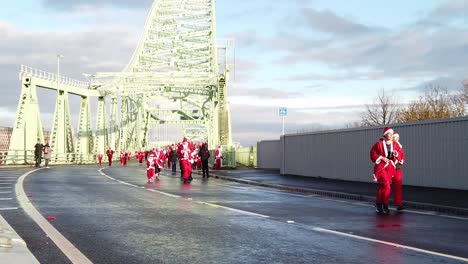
[(174, 158), (99, 159), (38, 149), (383, 154), (109, 154), (218, 158), (47, 154), (397, 180), (205, 155)]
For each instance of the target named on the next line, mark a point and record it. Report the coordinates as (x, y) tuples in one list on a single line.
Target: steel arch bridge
[(178, 76)]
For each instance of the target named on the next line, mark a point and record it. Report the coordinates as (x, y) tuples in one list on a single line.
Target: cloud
[(264, 123), (450, 83), (329, 22), (86, 51), (405, 54), (449, 10), (264, 93), (68, 5)]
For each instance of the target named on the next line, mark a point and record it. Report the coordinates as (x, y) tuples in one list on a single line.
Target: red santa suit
[(140, 157), (150, 167), (383, 172), (218, 157), (99, 159), (109, 154), (159, 161), (123, 158), (186, 162), (397, 180)]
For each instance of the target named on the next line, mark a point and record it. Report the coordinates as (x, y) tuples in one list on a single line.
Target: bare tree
[(436, 103), (382, 111)]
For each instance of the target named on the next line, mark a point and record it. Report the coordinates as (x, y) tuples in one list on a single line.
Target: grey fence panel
[(436, 153), (269, 154)]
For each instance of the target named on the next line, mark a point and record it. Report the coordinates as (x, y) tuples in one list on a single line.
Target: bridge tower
[(174, 77)]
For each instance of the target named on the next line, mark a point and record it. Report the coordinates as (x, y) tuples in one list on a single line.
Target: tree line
[(435, 103)]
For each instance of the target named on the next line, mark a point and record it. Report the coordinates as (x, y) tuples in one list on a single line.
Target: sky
[(322, 59)]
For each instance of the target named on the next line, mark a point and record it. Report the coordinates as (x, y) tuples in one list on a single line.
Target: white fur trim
[(388, 131), (378, 160)]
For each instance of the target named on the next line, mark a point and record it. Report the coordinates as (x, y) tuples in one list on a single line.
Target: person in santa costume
[(110, 154), (150, 167), (186, 161), (99, 157), (397, 180), (141, 156), (159, 161), (218, 157), (384, 154)]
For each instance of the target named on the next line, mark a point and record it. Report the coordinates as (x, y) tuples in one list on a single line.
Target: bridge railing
[(26, 157), (246, 156), (229, 160)]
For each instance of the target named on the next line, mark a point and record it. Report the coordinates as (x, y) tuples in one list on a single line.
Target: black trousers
[(204, 165)]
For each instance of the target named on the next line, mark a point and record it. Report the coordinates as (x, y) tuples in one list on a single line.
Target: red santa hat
[(387, 130), (184, 140)]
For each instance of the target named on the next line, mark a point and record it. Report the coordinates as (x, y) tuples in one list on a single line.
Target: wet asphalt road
[(212, 222)]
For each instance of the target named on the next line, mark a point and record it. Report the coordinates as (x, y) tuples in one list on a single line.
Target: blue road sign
[(283, 111)]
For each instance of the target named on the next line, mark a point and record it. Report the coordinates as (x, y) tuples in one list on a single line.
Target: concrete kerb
[(350, 196), (13, 249)]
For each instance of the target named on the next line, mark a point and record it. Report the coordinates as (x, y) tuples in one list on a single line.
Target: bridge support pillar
[(62, 133), (101, 128), (114, 127), (84, 148), (28, 126)]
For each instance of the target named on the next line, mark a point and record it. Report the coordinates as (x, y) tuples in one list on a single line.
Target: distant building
[(5, 137)]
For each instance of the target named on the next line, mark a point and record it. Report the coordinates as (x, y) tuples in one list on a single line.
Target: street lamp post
[(59, 56)]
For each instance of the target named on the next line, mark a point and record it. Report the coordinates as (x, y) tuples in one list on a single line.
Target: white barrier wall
[(269, 154), (436, 153)]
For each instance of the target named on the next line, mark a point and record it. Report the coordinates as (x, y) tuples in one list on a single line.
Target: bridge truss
[(178, 76)]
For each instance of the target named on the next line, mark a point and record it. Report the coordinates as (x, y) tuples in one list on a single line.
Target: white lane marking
[(290, 222), (6, 199), (6, 183), (323, 230), (190, 199), (234, 210), (164, 193), (7, 180), (244, 201), (136, 186), (8, 208), (6, 187), (65, 246), (7, 192)]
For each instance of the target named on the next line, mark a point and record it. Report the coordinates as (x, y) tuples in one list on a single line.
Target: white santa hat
[(387, 130), (396, 135)]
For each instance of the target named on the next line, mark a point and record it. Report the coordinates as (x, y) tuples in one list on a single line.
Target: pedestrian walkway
[(434, 199)]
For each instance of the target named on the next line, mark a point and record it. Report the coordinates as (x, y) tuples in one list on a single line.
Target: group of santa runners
[(388, 156), (189, 154)]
